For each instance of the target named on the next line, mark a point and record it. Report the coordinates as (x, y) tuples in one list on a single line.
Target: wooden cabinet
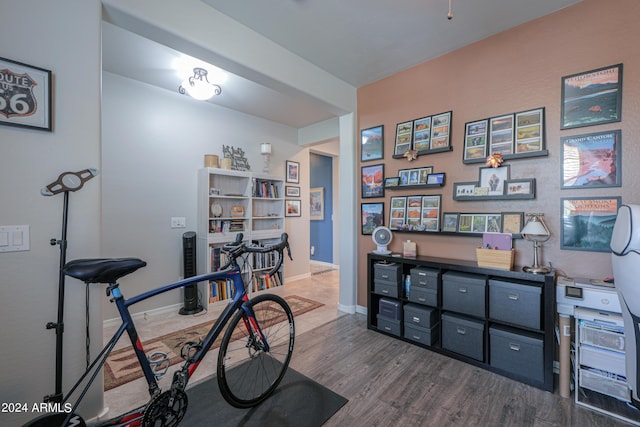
[(502, 321), (232, 202)]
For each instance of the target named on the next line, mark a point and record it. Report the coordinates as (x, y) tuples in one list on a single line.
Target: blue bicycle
[(254, 352)]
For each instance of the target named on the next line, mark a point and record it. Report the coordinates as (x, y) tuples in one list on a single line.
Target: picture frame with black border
[(494, 179), (450, 222), (291, 191), (293, 207), (475, 140), (501, 134), (512, 222), (372, 181), (28, 104), (372, 143), (465, 221), (591, 97), (293, 172), (592, 160), (464, 190), (404, 138), (422, 134), (430, 213), (522, 188), (530, 131), (586, 222), (397, 212), (372, 216), (436, 179), (441, 131)]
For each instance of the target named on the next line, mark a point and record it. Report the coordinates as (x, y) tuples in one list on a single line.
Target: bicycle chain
[(165, 411)]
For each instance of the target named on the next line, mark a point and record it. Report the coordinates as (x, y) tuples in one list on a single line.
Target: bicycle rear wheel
[(247, 371)]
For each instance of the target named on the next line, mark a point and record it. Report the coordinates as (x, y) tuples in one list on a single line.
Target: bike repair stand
[(66, 182)]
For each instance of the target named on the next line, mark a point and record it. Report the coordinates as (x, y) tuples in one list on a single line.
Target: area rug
[(122, 366), (298, 401)]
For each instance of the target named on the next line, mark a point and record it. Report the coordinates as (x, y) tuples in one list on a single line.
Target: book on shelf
[(265, 281), (265, 188), (220, 290), (226, 225)]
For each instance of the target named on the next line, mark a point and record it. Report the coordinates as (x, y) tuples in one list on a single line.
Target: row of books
[(226, 225), (264, 188), (263, 281), (218, 258), (220, 290), (261, 261)]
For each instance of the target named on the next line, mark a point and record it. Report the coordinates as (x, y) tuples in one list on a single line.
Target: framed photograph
[(592, 160), (464, 189), (292, 207), (293, 171), (291, 191), (404, 133), (372, 215), (414, 203), (316, 204), (494, 223), (450, 222), (592, 97), (436, 179), (587, 223), (475, 140), (465, 222), (512, 222), (25, 95), (440, 131), (372, 181), (524, 188), (372, 143), (422, 134), (501, 135), (397, 213), (391, 182), (430, 213), (494, 179), (529, 131)]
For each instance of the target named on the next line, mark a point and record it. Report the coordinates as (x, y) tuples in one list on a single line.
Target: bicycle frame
[(237, 301)]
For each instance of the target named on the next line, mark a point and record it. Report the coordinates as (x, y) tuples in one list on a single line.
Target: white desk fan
[(382, 236)]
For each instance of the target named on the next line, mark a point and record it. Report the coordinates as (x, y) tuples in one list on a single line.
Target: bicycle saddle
[(102, 270)]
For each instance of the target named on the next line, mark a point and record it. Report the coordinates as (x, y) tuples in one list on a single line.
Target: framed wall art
[(372, 143), (494, 179), (397, 213), (450, 222), (316, 204), (291, 191), (587, 222), (25, 96), (416, 176), (440, 131), (592, 97), (293, 207), (501, 135), (404, 133), (372, 215), (293, 171), (523, 188), (529, 134), (512, 222), (372, 181), (475, 140), (592, 160), (393, 181), (422, 134)]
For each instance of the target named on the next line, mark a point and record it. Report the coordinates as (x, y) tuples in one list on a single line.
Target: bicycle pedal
[(189, 349)]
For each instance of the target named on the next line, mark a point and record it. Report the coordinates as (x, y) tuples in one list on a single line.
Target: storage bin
[(388, 289), (426, 336), (609, 337), (604, 360), (387, 272), (464, 293), (390, 308), (515, 303), (389, 326), (420, 315), (425, 277), (424, 296), (605, 384), (463, 335), (495, 258), (518, 352)]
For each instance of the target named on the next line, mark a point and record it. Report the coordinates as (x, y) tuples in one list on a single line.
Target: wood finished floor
[(392, 383)]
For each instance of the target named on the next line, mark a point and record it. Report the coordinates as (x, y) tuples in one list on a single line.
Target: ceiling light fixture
[(198, 85)]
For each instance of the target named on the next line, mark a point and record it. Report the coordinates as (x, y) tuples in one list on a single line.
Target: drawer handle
[(514, 347), (385, 276), (514, 297), (421, 299), (387, 328), (461, 331), (416, 337), (462, 290), (422, 282), (416, 319), (385, 291), (422, 274)]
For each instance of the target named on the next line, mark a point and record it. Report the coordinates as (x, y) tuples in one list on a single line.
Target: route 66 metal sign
[(25, 95)]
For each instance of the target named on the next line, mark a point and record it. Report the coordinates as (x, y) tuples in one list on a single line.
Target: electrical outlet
[(178, 222), (313, 250)]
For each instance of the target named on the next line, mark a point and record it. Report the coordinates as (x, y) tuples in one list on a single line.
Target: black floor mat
[(298, 401)]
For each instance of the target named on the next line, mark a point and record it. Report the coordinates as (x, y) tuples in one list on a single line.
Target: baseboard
[(298, 277), (325, 264), (361, 309), (350, 309), (147, 314)]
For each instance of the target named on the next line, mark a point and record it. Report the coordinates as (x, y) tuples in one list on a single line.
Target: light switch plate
[(178, 222), (14, 238)]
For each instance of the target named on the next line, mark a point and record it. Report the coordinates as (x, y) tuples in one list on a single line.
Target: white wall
[(153, 144), (41, 33)]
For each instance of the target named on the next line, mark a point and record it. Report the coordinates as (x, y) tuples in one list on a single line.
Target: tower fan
[(191, 303)]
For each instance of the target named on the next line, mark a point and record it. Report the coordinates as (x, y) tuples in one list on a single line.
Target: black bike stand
[(66, 182)]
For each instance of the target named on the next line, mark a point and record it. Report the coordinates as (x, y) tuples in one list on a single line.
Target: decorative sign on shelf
[(238, 161)]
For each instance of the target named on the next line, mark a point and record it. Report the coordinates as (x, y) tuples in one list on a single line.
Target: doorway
[(321, 222)]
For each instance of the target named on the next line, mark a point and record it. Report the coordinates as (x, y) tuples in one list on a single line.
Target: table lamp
[(537, 232), (265, 150)]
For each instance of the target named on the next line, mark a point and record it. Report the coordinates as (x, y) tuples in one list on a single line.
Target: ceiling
[(358, 41)]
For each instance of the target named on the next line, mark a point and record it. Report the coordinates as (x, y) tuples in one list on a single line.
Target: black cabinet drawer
[(389, 326), (388, 289), (464, 293), (463, 336), (387, 272), (423, 296), (420, 315), (426, 336), (425, 277), (518, 352), (515, 303)]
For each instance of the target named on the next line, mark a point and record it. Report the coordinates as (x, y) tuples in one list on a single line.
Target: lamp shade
[(265, 148), (535, 228)]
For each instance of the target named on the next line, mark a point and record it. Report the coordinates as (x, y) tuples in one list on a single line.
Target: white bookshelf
[(230, 202)]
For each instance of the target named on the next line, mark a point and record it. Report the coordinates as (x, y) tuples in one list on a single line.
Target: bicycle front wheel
[(254, 357)]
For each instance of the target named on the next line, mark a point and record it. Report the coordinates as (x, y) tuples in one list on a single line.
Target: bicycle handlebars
[(238, 248)]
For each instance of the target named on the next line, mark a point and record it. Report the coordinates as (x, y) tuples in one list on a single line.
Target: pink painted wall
[(516, 70)]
